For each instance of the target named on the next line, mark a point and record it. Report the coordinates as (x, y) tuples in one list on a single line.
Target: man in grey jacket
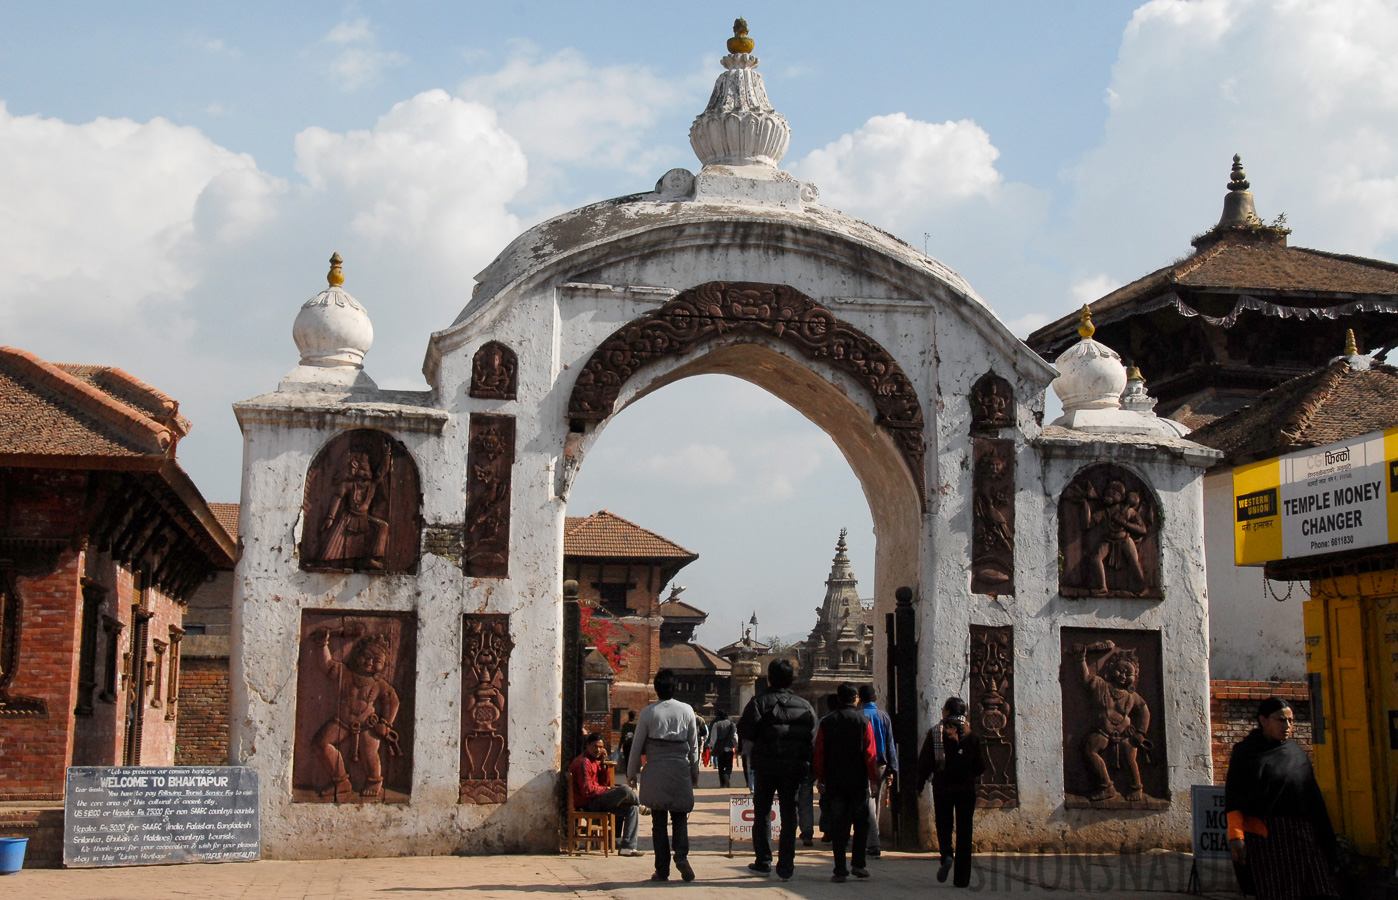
[(667, 738)]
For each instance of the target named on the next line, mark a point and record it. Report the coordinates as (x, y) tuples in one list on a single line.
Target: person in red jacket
[(590, 794), (847, 772)]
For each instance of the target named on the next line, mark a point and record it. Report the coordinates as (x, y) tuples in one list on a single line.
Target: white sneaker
[(630, 851)]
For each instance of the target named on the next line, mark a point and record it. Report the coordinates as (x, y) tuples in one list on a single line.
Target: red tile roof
[(606, 535), (48, 410), (227, 516), (678, 609), (689, 657)]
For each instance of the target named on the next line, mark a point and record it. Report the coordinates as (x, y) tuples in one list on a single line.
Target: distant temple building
[(841, 645), (701, 674)]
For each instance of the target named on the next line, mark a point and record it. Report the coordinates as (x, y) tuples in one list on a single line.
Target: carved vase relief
[(485, 688), (1108, 535), (354, 708), (489, 460), (723, 309), (993, 514), (992, 403), (1113, 732), (494, 372), (363, 504), (993, 714)]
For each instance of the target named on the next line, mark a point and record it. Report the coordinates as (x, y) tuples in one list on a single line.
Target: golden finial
[(1133, 373), (336, 276), (1351, 349), (1237, 178), (1085, 327), (740, 42)]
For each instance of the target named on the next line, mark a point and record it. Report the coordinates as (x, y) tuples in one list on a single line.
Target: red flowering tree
[(607, 635)]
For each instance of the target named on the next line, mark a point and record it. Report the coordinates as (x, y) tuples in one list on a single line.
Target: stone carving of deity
[(365, 709), (353, 533), (494, 371), (992, 403), (362, 506), (992, 509), (1120, 715), (1108, 535)]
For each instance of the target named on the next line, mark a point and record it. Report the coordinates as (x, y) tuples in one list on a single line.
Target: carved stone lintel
[(485, 687), (1108, 535), (775, 311), (363, 504), (355, 691), (993, 514), (992, 403), (1114, 754), (494, 372), (489, 461), (993, 713)]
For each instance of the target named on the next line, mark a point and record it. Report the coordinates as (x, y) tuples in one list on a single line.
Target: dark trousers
[(723, 759), (846, 808), (660, 837), (783, 781), (960, 804), (805, 807)]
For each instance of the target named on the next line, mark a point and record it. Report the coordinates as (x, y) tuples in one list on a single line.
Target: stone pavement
[(894, 877)]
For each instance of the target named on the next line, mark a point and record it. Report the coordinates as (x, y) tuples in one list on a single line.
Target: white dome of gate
[(333, 332)]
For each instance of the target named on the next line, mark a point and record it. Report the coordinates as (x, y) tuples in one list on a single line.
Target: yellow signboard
[(1342, 496)]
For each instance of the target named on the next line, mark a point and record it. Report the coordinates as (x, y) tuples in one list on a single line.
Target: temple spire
[(1238, 209)]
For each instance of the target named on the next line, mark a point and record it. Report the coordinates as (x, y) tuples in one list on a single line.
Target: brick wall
[(1233, 713), (202, 738), (43, 827)]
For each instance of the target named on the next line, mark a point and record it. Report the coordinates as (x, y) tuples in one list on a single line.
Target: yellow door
[(1353, 726)]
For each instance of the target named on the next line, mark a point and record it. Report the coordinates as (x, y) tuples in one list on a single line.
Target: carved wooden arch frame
[(1155, 570), (753, 309)]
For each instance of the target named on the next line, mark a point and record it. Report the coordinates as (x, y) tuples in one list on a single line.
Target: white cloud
[(778, 468), (1027, 324), (360, 62), (1088, 289), (693, 465), (1307, 93)]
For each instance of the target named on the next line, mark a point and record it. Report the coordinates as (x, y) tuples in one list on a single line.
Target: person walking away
[(847, 772), (888, 760), (723, 742), (590, 794), (703, 738), (667, 738), (628, 733), (1278, 826), (781, 727), (951, 758)]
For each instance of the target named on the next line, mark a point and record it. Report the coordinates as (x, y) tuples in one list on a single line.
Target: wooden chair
[(583, 829)]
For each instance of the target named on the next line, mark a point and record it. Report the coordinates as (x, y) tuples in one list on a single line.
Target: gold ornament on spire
[(1351, 349), (1085, 327), (740, 42), (1134, 374), (336, 276)]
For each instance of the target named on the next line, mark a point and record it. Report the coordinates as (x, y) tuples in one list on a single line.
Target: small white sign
[(1210, 822), (740, 818)]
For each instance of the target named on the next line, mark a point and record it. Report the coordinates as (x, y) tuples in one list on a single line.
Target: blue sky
[(173, 177)]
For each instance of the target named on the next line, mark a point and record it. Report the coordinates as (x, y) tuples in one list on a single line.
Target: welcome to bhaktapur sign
[(1337, 497)]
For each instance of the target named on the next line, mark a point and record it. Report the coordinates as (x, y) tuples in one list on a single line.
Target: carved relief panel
[(993, 517), (494, 372), (362, 510), (1108, 535), (993, 714), (355, 689), (1113, 720), (992, 403), (489, 460), (485, 688)]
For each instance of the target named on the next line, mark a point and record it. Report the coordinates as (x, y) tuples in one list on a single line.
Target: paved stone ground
[(896, 876)]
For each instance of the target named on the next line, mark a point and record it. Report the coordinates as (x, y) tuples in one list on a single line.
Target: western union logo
[(1257, 505)]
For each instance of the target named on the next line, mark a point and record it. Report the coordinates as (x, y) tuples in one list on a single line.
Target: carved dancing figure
[(354, 534), (989, 504), (1122, 717), (1119, 525), (365, 707)]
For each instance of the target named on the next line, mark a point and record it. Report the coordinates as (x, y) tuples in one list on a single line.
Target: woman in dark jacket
[(951, 757), (1278, 825)]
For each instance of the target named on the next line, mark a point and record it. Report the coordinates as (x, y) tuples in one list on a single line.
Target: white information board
[(740, 818), (1210, 822)]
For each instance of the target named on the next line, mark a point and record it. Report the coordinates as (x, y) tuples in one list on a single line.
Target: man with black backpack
[(782, 729)]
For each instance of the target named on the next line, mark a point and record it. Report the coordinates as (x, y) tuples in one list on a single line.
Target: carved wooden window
[(93, 595), (172, 686), (11, 621), (363, 506), (489, 461), (485, 686), (1108, 535), (156, 669), (112, 629), (494, 372)]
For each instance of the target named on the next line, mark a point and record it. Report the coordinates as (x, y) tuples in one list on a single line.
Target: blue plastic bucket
[(12, 855)]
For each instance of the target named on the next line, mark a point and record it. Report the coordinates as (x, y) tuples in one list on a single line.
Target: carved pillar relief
[(489, 460), (494, 372), (993, 713), (1108, 535), (485, 688), (363, 505), (355, 689), (993, 512), (1113, 728), (992, 403)]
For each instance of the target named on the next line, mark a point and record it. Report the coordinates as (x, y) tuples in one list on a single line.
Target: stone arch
[(771, 312), (1109, 534), (363, 506)]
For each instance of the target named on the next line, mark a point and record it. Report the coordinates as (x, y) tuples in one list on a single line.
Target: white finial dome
[(739, 127), (333, 332), (1091, 375)]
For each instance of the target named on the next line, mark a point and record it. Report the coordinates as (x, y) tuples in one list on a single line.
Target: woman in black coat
[(1278, 825), (951, 758)]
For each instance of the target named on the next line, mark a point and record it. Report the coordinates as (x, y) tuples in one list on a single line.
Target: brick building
[(202, 735), (103, 538)]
